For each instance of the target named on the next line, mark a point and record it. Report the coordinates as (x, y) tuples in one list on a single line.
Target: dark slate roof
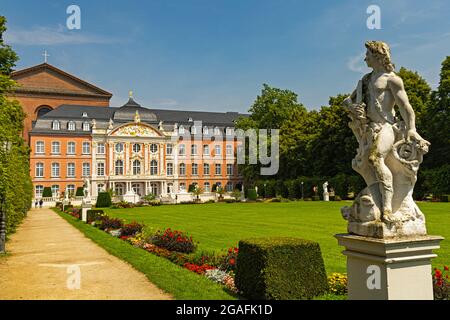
[(127, 112)]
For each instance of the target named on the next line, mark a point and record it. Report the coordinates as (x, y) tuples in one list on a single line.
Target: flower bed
[(441, 284), (174, 245)]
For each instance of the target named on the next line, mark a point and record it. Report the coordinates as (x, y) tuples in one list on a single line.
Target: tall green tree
[(437, 119), (15, 181)]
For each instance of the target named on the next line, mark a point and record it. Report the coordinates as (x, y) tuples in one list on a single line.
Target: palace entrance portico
[(142, 188)]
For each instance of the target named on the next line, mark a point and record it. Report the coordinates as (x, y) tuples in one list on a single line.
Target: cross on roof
[(46, 55)]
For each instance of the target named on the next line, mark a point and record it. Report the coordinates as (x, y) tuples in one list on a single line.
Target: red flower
[(236, 250), (445, 268), (438, 273), (232, 261), (439, 283)]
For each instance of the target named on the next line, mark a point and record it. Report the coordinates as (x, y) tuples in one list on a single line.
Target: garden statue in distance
[(389, 153), (87, 189)]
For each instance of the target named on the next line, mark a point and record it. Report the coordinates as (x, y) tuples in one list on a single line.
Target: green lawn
[(222, 225)]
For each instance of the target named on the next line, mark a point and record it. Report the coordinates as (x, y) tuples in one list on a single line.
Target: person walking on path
[(41, 202)]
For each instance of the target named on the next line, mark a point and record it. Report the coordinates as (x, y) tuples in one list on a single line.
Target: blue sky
[(216, 54)]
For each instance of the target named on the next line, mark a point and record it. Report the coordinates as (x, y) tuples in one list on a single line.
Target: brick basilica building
[(76, 136)]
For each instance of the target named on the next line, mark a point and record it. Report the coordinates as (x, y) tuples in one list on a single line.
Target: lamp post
[(302, 190), (6, 147)]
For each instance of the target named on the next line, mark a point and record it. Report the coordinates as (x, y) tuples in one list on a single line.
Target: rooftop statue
[(389, 153)]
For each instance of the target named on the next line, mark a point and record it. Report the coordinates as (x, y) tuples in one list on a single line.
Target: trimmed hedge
[(47, 193), (251, 194), (80, 192), (280, 269), (103, 200)]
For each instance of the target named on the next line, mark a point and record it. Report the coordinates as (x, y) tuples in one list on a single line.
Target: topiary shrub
[(445, 198), (47, 193), (280, 269), (103, 200), (251, 194), (80, 192)]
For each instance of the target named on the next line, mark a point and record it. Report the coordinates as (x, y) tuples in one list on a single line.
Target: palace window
[(218, 150), (218, 169), (169, 148), (86, 126), (70, 147), (153, 167), (205, 131), (71, 126), (40, 147), (136, 148), (229, 169), (182, 169), (181, 149), (71, 189), (194, 149), (39, 170), (136, 167), (207, 187), (86, 147), (153, 148), (100, 168), (118, 167), (84, 114), (55, 190), (194, 169), (181, 130), (55, 170), (38, 191), (86, 169), (119, 147), (206, 150), (229, 131), (194, 130), (169, 169), (229, 186), (56, 147), (217, 131), (206, 169), (100, 188), (101, 148), (119, 189), (229, 150), (71, 170), (55, 125), (182, 186)]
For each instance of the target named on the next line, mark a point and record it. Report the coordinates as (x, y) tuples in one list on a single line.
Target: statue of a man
[(325, 187), (389, 153), (87, 188)]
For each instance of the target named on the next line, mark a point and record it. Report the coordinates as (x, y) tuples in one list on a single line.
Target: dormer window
[(84, 115), (181, 130), (205, 130), (217, 131), (55, 125), (86, 126), (194, 130), (190, 119), (229, 131), (71, 126)]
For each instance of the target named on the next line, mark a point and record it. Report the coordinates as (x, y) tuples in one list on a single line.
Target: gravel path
[(47, 254)]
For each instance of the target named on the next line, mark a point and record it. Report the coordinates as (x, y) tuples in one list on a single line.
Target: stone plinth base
[(326, 196), (389, 269), (85, 206)]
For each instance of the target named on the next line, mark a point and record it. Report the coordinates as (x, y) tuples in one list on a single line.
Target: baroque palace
[(75, 136)]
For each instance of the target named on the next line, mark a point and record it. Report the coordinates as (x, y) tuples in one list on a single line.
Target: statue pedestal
[(326, 196), (389, 269), (131, 197), (85, 206)]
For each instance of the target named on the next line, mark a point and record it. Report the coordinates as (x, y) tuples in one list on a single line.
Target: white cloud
[(356, 63), (53, 36)]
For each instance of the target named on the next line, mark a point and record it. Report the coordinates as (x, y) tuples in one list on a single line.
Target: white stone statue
[(326, 195), (87, 188), (160, 125), (94, 124), (111, 124), (389, 153)]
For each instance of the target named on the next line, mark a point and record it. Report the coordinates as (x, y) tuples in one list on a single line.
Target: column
[(146, 161), (161, 158), (111, 158), (127, 159), (94, 160)]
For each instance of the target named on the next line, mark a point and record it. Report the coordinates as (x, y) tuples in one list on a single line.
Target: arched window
[(136, 148), (153, 167), (118, 167), (71, 126), (169, 169), (55, 125), (71, 189), (153, 148), (39, 170), (42, 110), (119, 189), (39, 190), (182, 169), (40, 147), (205, 131), (181, 130), (136, 167), (86, 126), (207, 187)]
